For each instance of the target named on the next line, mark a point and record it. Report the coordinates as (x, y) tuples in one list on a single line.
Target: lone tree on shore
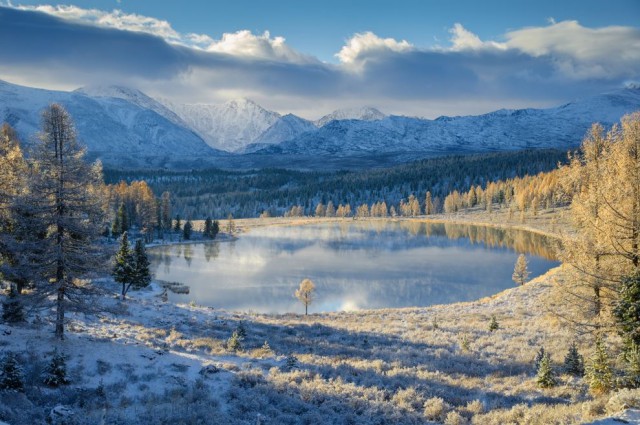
[(306, 293), (131, 267), (521, 271)]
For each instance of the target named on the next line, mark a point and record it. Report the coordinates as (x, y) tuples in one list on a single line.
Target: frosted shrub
[(408, 399), (475, 407), (623, 399), (435, 409), (454, 418)]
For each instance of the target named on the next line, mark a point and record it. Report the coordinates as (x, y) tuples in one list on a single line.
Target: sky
[(421, 58)]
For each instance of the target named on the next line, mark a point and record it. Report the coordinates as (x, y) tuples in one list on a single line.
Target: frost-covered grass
[(150, 361), (148, 364)]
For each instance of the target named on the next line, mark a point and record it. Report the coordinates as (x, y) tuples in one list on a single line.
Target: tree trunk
[(60, 312)]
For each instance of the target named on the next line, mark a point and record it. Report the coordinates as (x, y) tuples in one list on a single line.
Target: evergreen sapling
[(56, 372), (11, 377), (544, 377), (573, 361)]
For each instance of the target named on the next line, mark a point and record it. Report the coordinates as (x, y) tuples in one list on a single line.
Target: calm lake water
[(354, 265)]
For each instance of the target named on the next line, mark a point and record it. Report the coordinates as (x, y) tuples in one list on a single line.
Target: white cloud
[(362, 45), (582, 52), (116, 19), (244, 43), (241, 43), (463, 39)]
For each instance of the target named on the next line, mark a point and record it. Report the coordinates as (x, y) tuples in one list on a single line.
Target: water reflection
[(355, 265)]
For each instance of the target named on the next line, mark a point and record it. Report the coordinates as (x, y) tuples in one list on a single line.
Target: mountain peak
[(364, 113)]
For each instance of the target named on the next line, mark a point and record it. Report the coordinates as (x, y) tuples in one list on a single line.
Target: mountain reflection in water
[(355, 265)]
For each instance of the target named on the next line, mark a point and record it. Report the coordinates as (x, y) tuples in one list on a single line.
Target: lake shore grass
[(149, 361)]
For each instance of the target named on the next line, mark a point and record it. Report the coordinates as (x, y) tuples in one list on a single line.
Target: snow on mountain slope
[(365, 113), (134, 96), (115, 130), (286, 128), (230, 126), (560, 127)]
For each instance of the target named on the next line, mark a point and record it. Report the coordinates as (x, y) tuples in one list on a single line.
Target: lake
[(354, 265)]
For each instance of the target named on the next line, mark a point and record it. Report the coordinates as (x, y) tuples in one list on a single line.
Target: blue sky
[(425, 58)]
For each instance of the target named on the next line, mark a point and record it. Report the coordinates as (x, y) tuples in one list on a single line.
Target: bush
[(454, 418), (435, 409)]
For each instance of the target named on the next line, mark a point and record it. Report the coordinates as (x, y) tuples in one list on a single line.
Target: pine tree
[(521, 271), (123, 270), (12, 310), (493, 324), (241, 330), (234, 343), (231, 225), (178, 224), (56, 372), (215, 229), (141, 270), (65, 198), (632, 369), (573, 361), (598, 371), (291, 362), (627, 309), (208, 228), (187, 230), (545, 378), (265, 350), (11, 377), (166, 211)]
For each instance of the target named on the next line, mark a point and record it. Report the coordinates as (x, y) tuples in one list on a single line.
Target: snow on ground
[(145, 360)]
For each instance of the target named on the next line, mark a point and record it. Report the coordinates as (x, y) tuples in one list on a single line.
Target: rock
[(209, 369)]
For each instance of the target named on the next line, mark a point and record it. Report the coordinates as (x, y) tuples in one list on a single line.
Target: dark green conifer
[(545, 378), (56, 373), (11, 377), (123, 267), (573, 361)]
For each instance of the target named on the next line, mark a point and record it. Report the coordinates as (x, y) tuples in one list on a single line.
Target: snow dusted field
[(149, 361)]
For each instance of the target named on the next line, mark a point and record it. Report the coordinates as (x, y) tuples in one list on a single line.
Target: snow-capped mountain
[(134, 96), (114, 129), (561, 127), (285, 128), (230, 126), (366, 113)]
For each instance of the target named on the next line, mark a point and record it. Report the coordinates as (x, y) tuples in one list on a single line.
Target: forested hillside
[(217, 193)]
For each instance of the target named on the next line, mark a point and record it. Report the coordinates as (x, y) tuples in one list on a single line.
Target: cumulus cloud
[(69, 46), (582, 52), (241, 43), (463, 39), (244, 43), (365, 45)]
